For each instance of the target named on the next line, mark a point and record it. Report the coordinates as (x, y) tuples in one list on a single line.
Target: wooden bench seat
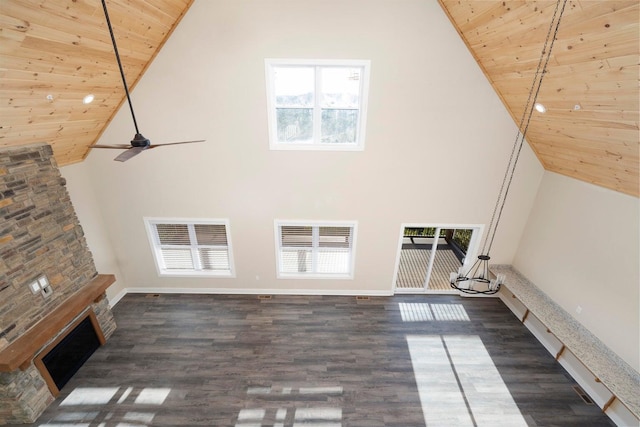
[(607, 368)]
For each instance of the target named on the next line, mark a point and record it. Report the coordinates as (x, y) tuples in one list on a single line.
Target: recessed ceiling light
[(540, 108), (88, 99)]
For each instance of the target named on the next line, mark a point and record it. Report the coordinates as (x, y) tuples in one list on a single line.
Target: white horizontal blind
[(334, 250), (175, 246), (192, 247), (212, 247), (315, 250), (296, 243)]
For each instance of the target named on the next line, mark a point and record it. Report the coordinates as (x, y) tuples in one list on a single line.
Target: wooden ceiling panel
[(62, 48), (594, 66)]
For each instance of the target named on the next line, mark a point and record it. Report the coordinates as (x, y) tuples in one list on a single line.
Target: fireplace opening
[(66, 357)]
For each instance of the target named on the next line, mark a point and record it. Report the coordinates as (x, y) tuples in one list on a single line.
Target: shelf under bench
[(622, 381)]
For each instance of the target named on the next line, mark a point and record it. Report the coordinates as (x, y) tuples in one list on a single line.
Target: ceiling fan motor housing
[(140, 141)]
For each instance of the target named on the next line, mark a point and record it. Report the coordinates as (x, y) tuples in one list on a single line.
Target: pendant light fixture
[(476, 280)]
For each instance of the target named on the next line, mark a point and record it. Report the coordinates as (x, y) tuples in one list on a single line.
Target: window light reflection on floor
[(103, 395), (288, 414), (90, 396), (126, 394), (106, 395), (138, 417), (294, 390), (80, 419), (277, 417), (458, 383), (152, 396), (425, 312)]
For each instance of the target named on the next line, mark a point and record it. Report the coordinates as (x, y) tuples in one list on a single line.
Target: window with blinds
[(315, 250), (191, 247)]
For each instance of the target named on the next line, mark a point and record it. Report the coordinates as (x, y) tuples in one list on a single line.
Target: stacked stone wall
[(39, 235)]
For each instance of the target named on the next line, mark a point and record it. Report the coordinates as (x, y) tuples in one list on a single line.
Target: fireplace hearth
[(36, 366)]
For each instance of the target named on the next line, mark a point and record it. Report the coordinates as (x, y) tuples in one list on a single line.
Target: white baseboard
[(113, 301), (234, 291)]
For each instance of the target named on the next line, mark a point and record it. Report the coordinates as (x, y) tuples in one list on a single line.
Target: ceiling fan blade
[(176, 143), (117, 147), (126, 155)]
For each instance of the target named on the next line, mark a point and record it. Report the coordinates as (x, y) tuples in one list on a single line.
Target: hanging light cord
[(522, 132)]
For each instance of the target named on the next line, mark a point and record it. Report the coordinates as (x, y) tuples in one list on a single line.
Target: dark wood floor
[(403, 361)]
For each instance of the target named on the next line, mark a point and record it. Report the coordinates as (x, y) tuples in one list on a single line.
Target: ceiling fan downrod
[(136, 142)]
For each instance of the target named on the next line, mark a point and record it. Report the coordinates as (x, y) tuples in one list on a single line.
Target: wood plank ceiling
[(590, 90), (62, 48)]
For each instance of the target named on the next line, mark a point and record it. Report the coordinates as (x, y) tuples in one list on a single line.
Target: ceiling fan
[(139, 143)]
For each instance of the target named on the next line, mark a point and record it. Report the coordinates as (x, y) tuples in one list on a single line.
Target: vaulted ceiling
[(590, 90), (54, 52)]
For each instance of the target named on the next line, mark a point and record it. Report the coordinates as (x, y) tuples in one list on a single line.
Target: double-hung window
[(191, 247), (317, 104), (315, 249)]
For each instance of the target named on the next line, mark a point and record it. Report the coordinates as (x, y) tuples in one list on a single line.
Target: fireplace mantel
[(20, 353)]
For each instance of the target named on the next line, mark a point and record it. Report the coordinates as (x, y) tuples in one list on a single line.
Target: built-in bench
[(606, 367)]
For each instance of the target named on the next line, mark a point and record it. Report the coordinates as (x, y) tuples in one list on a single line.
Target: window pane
[(336, 261), (341, 87), (296, 236), (339, 126), (295, 261), (335, 237), (173, 234), (214, 259), (211, 234), (295, 124), (294, 86), (177, 259)]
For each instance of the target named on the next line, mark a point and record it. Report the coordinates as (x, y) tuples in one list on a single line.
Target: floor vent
[(362, 297), (583, 395), (264, 296), (152, 295)]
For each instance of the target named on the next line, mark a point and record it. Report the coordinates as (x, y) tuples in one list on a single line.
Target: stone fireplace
[(48, 280)]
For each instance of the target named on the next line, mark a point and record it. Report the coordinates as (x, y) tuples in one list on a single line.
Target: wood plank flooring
[(312, 361)]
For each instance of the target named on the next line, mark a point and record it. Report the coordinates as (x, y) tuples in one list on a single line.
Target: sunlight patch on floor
[(459, 384), (289, 414), (90, 396), (425, 312), (152, 396), (93, 396)]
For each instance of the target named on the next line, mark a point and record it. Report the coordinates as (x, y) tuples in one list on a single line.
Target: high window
[(191, 247), (315, 250), (317, 104)]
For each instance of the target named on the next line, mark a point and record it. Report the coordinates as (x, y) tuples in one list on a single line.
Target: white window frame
[(196, 272), (274, 144), (315, 249)]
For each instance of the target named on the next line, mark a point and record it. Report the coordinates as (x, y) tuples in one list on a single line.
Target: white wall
[(85, 203), (581, 247), (438, 140)]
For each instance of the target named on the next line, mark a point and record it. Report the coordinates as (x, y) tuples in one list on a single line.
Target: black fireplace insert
[(66, 358)]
